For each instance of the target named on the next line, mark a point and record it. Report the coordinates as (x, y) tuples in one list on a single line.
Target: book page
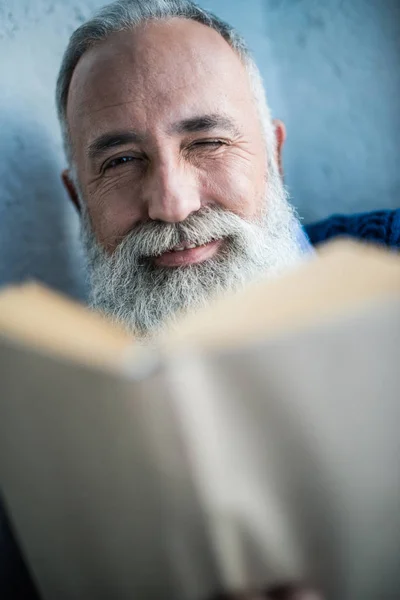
[(39, 317), (96, 513), (294, 445)]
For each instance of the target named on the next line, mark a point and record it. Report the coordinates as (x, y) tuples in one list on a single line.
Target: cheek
[(113, 212), (237, 188)]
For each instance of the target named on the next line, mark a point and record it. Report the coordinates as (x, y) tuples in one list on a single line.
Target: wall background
[(332, 73)]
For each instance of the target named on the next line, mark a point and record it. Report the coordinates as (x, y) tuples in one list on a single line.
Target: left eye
[(120, 160)]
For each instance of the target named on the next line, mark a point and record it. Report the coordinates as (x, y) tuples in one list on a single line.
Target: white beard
[(144, 297)]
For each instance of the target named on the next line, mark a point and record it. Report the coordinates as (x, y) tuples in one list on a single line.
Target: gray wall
[(332, 74)]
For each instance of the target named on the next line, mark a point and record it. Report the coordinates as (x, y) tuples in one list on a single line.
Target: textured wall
[(332, 74)]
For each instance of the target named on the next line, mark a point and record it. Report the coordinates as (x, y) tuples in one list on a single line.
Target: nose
[(171, 192)]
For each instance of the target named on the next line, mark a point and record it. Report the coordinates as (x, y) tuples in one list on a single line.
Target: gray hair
[(127, 14)]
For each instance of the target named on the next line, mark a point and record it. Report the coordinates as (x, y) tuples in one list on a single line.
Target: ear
[(71, 189), (280, 136)]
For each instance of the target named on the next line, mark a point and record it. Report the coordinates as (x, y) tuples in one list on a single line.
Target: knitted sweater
[(381, 226)]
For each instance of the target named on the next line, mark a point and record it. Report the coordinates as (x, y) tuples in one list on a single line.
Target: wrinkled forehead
[(162, 71)]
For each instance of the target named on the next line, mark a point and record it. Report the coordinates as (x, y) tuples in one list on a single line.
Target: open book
[(256, 441)]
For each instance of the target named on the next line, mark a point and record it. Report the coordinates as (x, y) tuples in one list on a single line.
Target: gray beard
[(132, 290)]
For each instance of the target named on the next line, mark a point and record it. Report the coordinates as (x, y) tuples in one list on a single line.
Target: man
[(174, 161), (174, 164)]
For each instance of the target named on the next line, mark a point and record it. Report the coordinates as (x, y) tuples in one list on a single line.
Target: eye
[(212, 144), (119, 161)]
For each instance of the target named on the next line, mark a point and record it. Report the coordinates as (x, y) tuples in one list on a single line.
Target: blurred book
[(254, 442)]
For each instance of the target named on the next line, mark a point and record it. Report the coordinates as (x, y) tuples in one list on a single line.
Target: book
[(255, 441)]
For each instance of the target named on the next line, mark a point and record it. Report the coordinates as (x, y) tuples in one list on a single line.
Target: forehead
[(155, 74)]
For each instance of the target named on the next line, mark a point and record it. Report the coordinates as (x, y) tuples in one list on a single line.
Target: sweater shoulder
[(381, 226)]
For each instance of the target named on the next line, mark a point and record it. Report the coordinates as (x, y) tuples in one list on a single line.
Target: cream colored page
[(294, 447), (41, 318), (96, 513)]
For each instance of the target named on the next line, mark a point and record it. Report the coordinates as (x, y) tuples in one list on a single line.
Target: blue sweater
[(382, 227)]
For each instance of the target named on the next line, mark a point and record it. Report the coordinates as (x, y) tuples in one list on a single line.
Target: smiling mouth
[(187, 254)]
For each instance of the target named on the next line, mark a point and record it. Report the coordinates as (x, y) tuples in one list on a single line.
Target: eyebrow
[(197, 124), (205, 123), (113, 139)]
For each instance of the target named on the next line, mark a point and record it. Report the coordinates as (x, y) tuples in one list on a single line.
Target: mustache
[(153, 238)]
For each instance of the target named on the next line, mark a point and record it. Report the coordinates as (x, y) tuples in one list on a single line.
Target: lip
[(190, 256)]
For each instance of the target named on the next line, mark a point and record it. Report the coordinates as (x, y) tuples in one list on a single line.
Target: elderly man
[(174, 163), (174, 160)]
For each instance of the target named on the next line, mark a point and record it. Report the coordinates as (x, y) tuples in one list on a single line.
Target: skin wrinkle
[(116, 105)]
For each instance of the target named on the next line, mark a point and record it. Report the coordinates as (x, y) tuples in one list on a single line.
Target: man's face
[(169, 153)]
